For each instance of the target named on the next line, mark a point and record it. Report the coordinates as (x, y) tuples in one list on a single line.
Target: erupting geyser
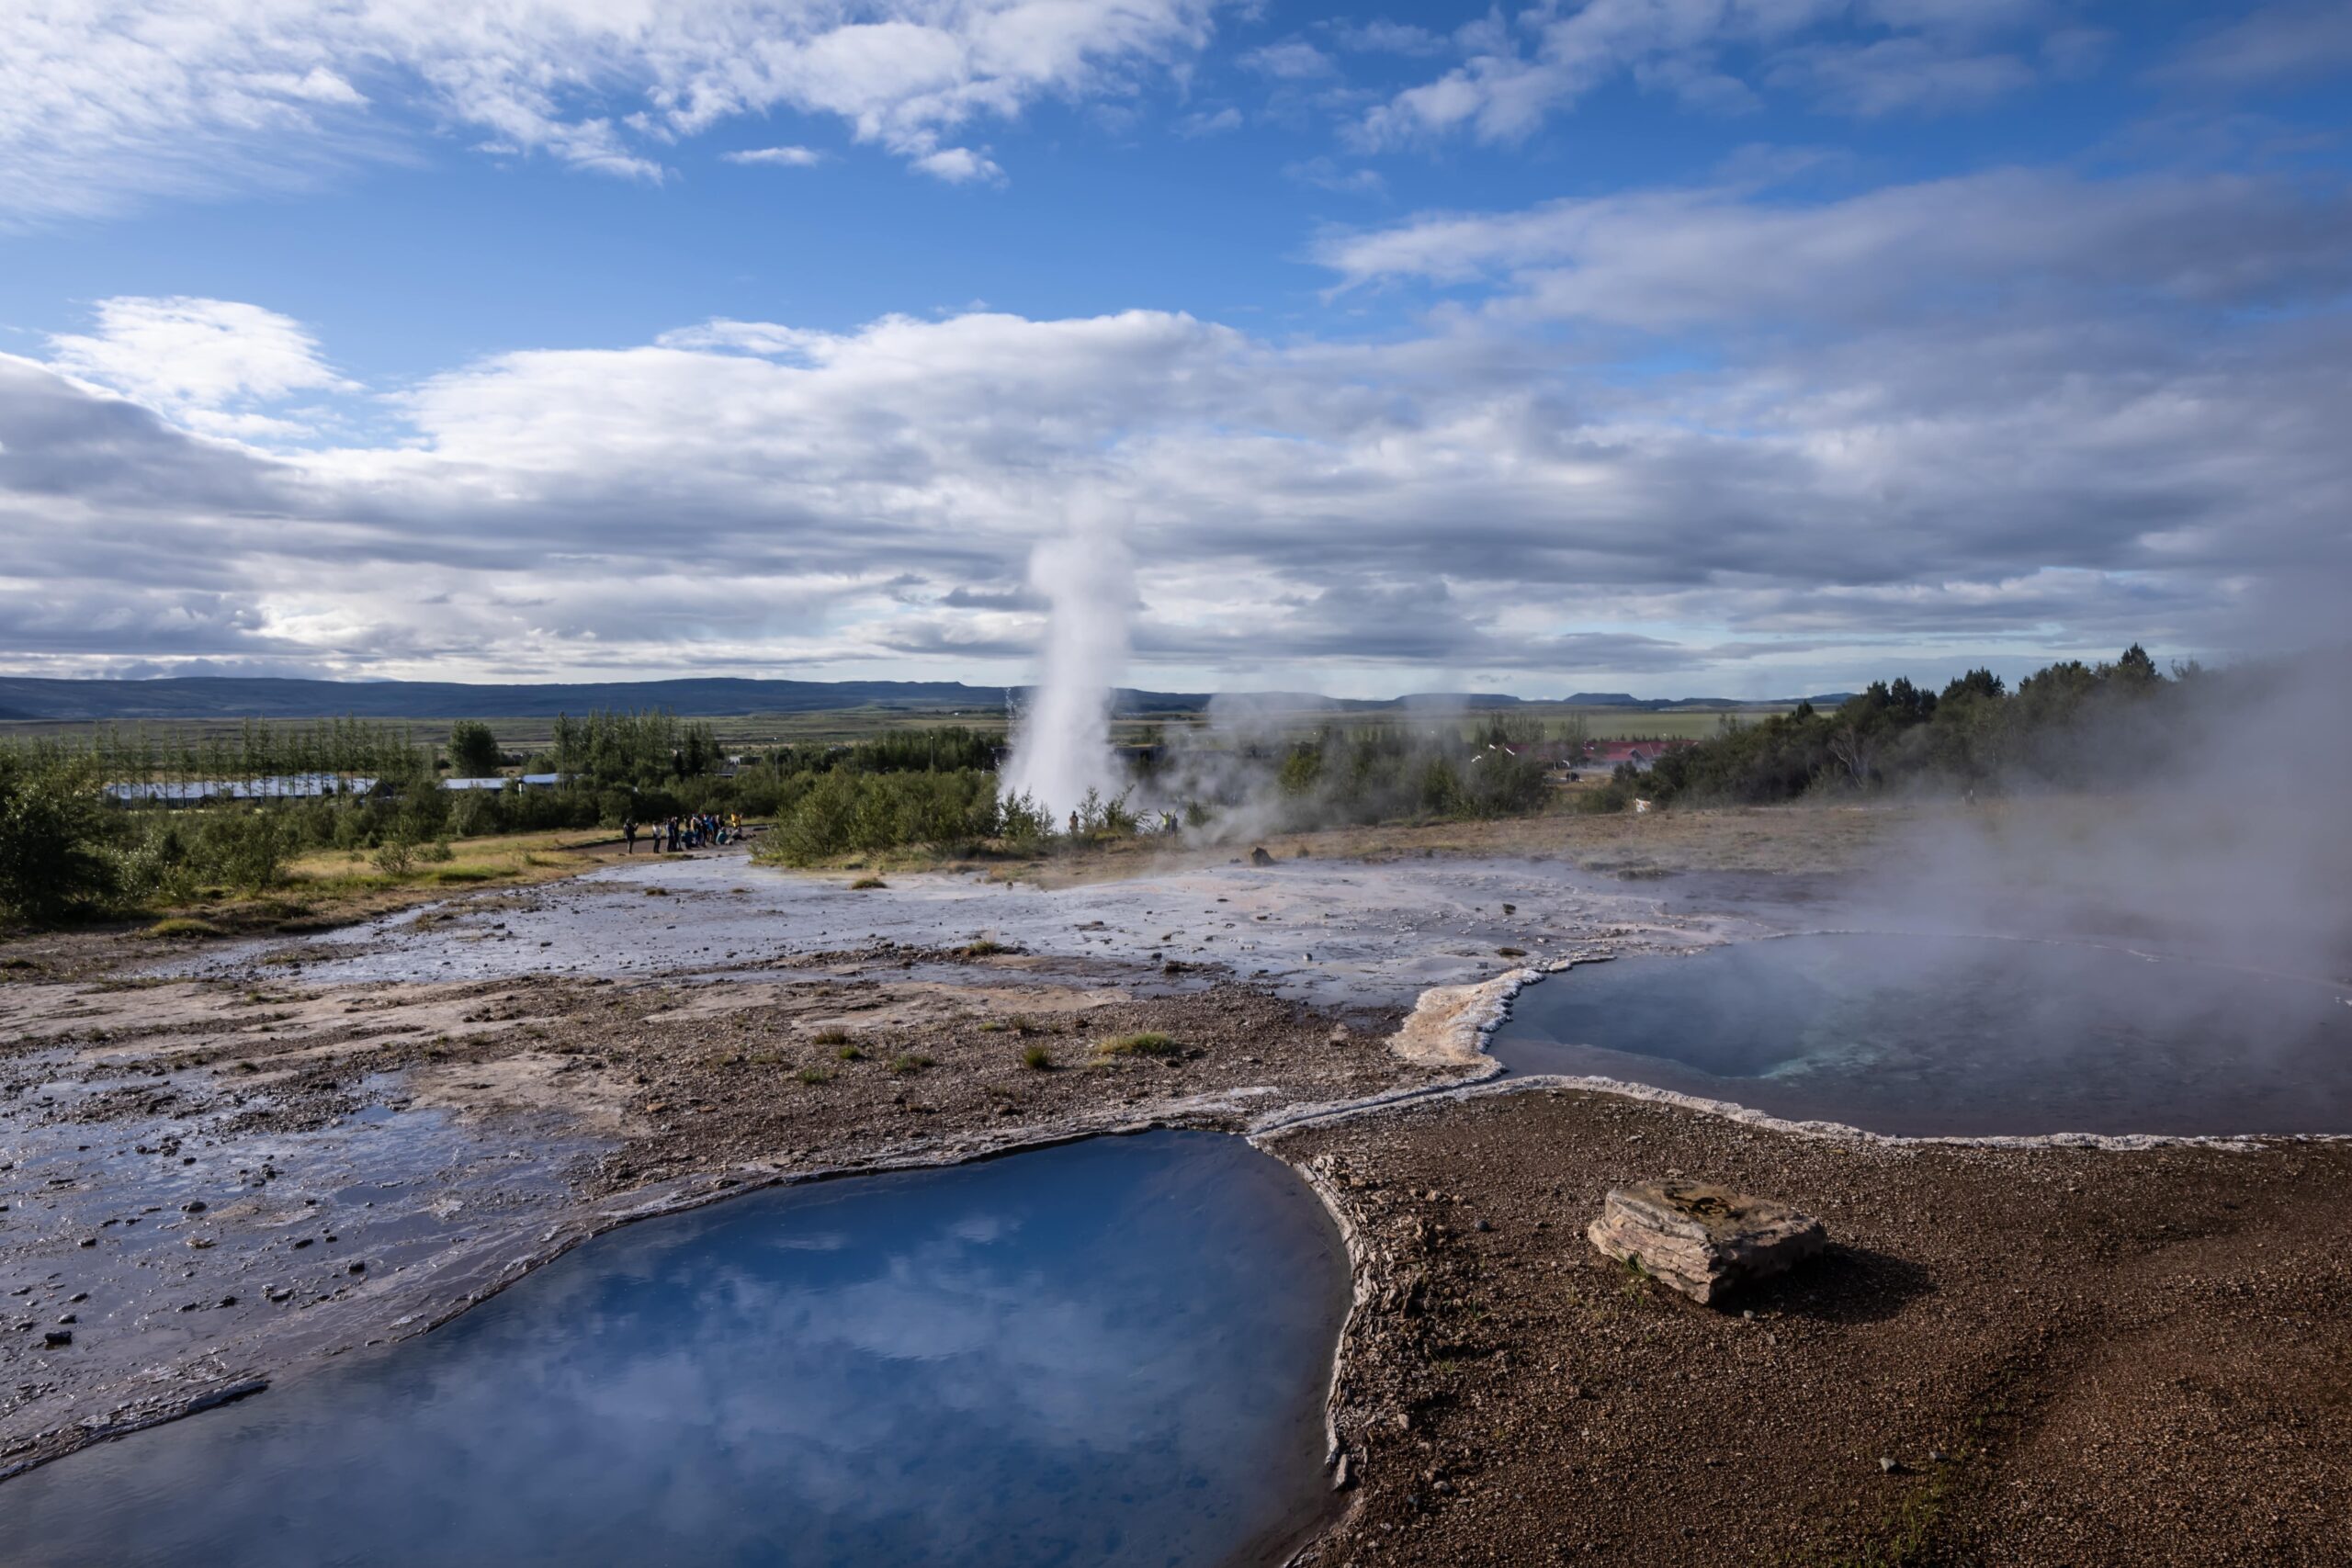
[(1061, 743)]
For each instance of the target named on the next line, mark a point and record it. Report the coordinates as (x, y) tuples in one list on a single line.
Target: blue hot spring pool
[(1954, 1036), (1114, 1351)]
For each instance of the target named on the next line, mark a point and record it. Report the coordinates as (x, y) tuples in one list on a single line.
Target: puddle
[(1114, 1351), (1954, 1036)]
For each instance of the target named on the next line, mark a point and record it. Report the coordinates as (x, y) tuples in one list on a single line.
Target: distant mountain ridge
[(216, 697)]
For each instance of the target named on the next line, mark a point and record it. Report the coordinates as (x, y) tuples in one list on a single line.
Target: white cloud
[(1206, 123), (1899, 73), (1669, 260), (101, 104), (2004, 416), (1388, 38), (1329, 176), (1294, 59), (207, 362), (958, 166), (785, 157), (1712, 54), (2280, 43)]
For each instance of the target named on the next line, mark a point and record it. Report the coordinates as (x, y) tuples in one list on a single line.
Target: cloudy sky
[(1675, 346)]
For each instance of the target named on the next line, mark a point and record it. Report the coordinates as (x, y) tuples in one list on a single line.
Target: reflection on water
[(1948, 1035), (1110, 1352)]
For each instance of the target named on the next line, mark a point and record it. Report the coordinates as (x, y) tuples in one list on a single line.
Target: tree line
[(2069, 725), (67, 851)]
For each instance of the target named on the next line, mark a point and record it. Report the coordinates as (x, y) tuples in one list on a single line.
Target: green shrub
[(247, 850), (54, 859)]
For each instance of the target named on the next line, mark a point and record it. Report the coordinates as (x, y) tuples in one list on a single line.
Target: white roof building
[(195, 792)]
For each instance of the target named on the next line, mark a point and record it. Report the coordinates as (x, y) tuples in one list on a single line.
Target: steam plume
[(1061, 744)]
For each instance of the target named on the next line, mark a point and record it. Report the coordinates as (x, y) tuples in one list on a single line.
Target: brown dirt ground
[(2126, 1357)]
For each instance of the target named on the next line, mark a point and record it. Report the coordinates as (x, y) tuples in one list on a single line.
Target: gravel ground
[(2010, 1356)]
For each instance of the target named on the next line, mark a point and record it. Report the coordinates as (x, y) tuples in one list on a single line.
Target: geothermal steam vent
[(1704, 1239)]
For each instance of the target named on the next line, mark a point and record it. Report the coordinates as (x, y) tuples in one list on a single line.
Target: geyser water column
[(1061, 743)]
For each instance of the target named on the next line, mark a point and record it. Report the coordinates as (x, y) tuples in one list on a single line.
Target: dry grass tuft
[(1150, 1043)]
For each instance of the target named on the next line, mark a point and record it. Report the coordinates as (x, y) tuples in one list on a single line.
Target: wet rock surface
[(237, 1177), (1327, 933), (2154, 1370)]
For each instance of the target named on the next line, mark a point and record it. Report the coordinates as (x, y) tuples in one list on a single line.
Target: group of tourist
[(693, 832)]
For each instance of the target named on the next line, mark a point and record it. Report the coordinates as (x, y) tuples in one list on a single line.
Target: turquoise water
[(1114, 1351), (1954, 1036)]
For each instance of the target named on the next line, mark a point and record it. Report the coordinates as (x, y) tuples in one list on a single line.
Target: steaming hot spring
[(1960, 1036)]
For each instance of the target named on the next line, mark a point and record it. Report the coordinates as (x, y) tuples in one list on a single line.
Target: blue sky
[(1662, 345)]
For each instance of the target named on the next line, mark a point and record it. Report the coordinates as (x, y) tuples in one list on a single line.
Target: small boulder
[(1701, 1238), (1260, 857)]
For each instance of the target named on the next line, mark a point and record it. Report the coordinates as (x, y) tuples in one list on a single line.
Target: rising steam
[(1061, 743)]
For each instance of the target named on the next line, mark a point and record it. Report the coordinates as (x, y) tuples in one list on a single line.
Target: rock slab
[(1703, 1239)]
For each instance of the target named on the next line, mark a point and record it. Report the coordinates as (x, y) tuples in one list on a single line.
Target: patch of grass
[(908, 1062), (851, 1053), (657, 893), (993, 1026), (815, 1075), (183, 926), (1038, 1059), (982, 947), (1148, 1043), (1021, 1023), (832, 1035), (1511, 953), (867, 884), (453, 873)]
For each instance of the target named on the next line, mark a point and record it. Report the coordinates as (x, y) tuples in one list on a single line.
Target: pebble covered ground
[(2010, 1356)]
